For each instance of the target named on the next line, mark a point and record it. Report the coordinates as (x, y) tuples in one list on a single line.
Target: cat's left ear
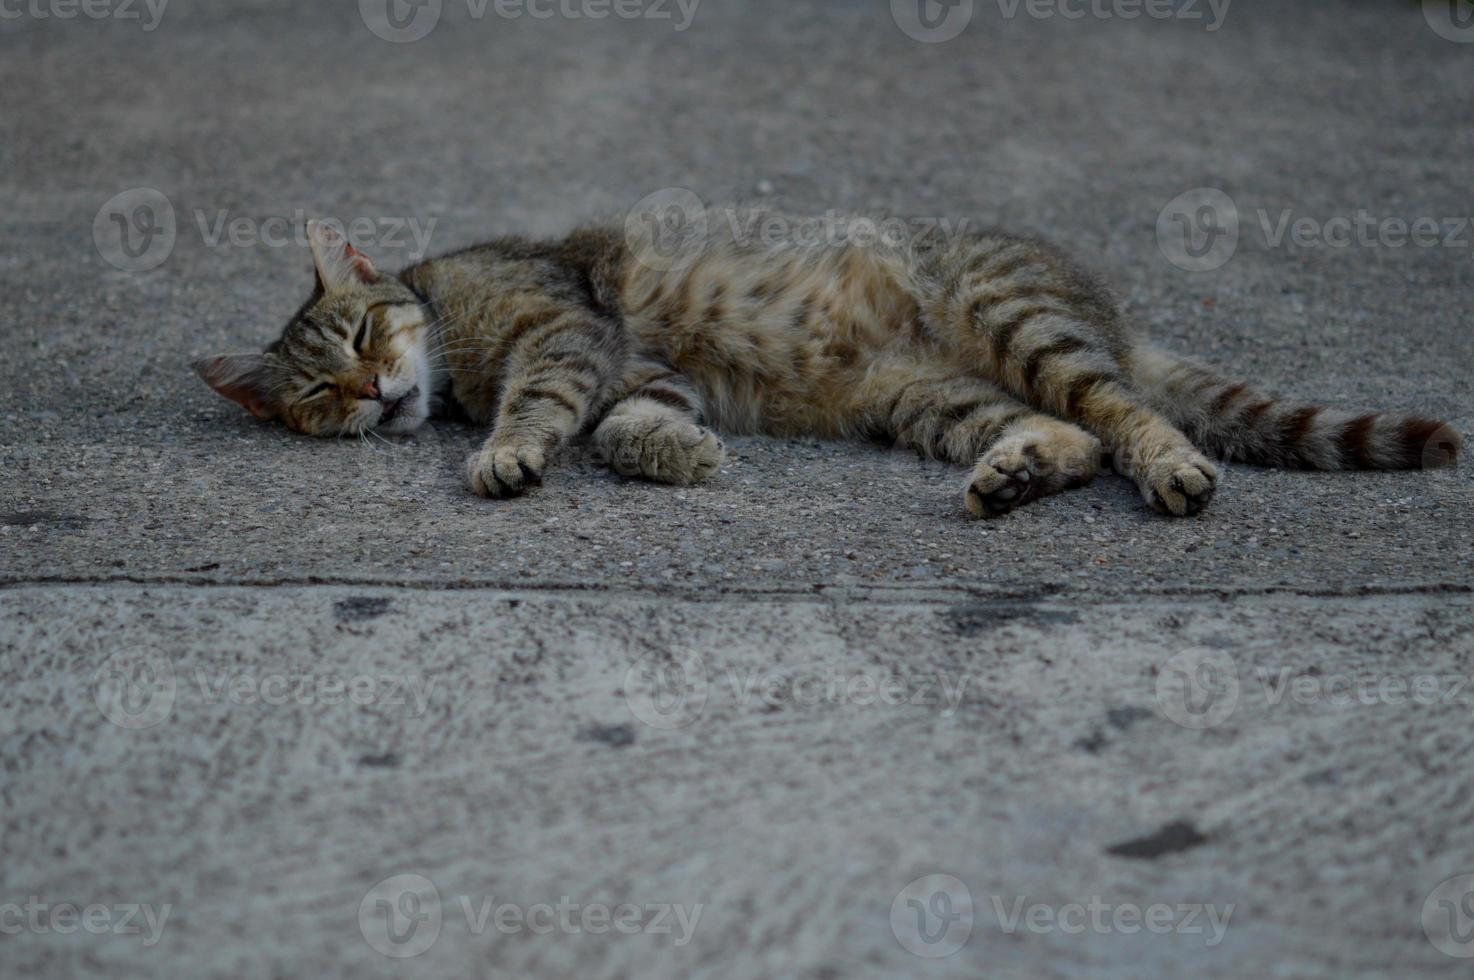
[(338, 263), (246, 379)]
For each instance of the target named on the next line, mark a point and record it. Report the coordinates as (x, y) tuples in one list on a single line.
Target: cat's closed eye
[(315, 390)]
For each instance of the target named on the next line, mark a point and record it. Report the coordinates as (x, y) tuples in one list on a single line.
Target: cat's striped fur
[(986, 350)]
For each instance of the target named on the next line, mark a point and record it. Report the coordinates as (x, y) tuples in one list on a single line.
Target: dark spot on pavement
[(615, 736), (1118, 718), (972, 618), (1123, 718), (1093, 742), (382, 760), (356, 609), (1179, 835)]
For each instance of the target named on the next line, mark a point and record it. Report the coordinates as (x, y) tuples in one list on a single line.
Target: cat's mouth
[(396, 408)]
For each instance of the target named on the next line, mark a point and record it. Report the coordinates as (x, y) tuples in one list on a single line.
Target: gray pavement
[(753, 712)]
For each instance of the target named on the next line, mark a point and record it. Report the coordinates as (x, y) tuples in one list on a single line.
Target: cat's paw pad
[(993, 493), (667, 451), (506, 471), (1181, 484), (1031, 464)]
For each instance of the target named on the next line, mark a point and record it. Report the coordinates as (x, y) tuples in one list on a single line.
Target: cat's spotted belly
[(777, 342)]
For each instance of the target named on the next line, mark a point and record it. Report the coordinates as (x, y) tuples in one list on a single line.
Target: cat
[(983, 349)]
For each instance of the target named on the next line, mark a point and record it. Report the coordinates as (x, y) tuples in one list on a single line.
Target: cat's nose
[(370, 388)]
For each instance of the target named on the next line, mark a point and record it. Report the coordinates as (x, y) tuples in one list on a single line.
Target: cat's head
[(353, 358)]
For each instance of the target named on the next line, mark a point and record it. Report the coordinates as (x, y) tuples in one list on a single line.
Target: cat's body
[(985, 350)]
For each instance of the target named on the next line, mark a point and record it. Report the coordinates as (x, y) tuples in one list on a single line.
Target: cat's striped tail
[(1230, 419)]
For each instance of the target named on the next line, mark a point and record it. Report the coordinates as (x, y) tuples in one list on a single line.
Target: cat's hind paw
[(1180, 484), (662, 449)]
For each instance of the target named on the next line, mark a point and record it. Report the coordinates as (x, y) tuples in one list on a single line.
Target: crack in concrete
[(1041, 592)]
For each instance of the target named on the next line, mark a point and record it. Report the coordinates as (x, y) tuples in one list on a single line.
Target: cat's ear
[(245, 379), (338, 263)]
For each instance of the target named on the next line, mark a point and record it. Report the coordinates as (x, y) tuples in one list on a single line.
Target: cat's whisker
[(458, 345), (392, 445), (440, 324), (362, 438), (472, 350)]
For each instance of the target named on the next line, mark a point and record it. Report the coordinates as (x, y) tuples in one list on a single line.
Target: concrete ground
[(249, 682)]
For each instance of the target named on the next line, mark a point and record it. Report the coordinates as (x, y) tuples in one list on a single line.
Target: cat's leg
[(654, 429), (1051, 339), (560, 361), (1017, 453)]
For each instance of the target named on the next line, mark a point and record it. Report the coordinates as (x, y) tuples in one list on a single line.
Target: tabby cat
[(986, 349)]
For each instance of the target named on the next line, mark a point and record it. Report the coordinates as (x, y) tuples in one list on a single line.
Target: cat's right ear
[(245, 379), (338, 263)]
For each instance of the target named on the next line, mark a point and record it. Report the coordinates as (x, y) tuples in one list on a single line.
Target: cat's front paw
[(506, 471), (1039, 458), (662, 449)]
